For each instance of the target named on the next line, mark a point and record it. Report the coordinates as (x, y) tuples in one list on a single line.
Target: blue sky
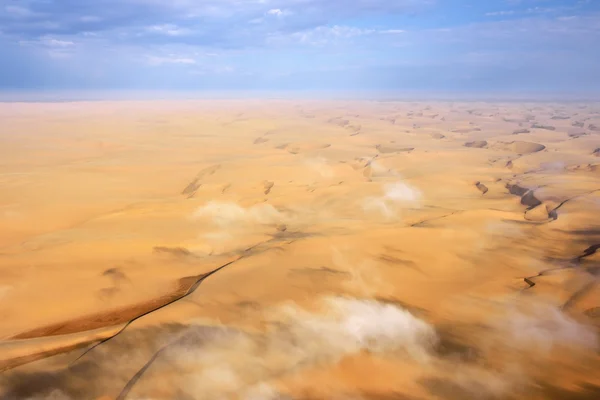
[(430, 45)]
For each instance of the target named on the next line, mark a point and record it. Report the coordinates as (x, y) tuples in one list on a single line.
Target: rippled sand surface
[(299, 250)]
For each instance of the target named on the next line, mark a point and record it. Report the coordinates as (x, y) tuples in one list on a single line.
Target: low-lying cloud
[(247, 364), (321, 167), (229, 214), (229, 223), (542, 327), (217, 362), (396, 196), (520, 342)]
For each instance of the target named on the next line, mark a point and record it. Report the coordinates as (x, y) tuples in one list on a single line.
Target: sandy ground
[(299, 250)]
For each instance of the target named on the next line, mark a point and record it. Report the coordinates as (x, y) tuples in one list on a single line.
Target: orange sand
[(382, 250)]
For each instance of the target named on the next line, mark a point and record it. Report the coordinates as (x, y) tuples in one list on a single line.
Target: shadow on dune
[(107, 370), (361, 396), (446, 390), (585, 392)]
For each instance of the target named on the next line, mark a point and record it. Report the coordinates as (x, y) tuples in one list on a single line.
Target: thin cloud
[(217, 15), (277, 12), (392, 31), (153, 60), (169, 30), (58, 43), (290, 43), (18, 11), (48, 42), (499, 13)]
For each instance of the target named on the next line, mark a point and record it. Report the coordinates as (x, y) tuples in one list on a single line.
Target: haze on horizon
[(274, 45)]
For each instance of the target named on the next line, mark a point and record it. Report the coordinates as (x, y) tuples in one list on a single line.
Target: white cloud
[(154, 60), (169, 30), (542, 10), (243, 365), (351, 325), (323, 35), (320, 166), (280, 31), (567, 18), (57, 43), (544, 327), (396, 195), (275, 11), (226, 214), (499, 13), (52, 47), (349, 31), (278, 12), (48, 42)]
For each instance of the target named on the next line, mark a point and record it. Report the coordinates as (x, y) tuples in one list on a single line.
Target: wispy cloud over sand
[(229, 214), (216, 362), (521, 342), (320, 166), (378, 169), (248, 364), (541, 327), (229, 224), (355, 325), (395, 196), (365, 280)]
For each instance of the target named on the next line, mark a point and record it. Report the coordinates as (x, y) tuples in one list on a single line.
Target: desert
[(266, 249)]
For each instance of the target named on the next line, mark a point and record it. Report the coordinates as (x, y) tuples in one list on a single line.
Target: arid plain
[(299, 250)]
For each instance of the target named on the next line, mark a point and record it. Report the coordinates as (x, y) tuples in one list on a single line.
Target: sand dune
[(520, 147), (478, 144), (373, 250), (384, 149)]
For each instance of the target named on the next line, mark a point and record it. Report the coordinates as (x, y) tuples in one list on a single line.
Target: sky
[(412, 45)]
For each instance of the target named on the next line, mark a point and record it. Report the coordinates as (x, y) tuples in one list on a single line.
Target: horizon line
[(79, 95)]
